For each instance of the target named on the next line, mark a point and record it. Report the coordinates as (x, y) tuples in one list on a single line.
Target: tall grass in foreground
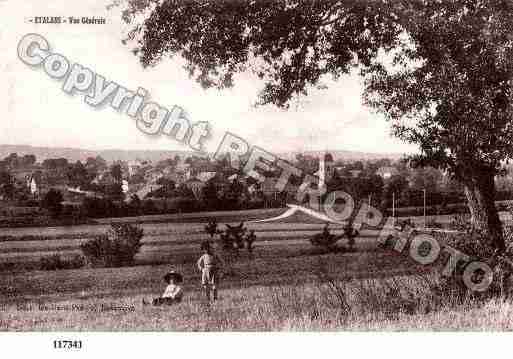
[(395, 303)]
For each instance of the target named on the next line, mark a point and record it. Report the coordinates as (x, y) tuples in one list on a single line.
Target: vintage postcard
[(255, 166)]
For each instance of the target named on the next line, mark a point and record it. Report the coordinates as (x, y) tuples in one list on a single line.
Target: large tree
[(439, 70), (78, 175), (447, 88), (116, 172)]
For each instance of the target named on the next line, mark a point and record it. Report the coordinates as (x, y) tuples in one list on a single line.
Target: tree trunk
[(480, 192)]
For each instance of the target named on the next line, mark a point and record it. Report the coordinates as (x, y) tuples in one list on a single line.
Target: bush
[(97, 207), (31, 203), (56, 262), (116, 248), (149, 207), (432, 223), (53, 202), (326, 240), (188, 205), (479, 248)]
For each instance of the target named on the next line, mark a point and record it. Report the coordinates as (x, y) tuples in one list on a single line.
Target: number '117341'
[(67, 344)]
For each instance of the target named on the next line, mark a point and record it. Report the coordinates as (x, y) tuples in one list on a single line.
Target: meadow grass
[(285, 285), (308, 307), (317, 292)]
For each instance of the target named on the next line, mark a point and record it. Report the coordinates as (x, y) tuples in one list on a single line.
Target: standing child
[(173, 293), (209, 265), (250, 239)]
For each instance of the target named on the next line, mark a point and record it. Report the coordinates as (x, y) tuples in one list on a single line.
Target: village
[(94, 188)]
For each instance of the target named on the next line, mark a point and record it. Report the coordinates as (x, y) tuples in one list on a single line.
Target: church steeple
[(322, 172), (325, 172)]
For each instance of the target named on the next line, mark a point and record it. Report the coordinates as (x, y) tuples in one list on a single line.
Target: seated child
[(173, 293)]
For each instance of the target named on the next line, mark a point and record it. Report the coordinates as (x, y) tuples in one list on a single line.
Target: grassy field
[(163, 242), (261, 294), (284, 285)]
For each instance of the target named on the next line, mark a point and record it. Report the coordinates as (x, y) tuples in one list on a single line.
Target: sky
[(35, 111)]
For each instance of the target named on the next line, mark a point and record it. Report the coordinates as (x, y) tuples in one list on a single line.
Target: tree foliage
[(449, 86), (116, 172), (78, 175), (290, 45), (52, 202)]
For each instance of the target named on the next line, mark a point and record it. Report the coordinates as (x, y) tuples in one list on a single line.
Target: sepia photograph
[(305, 166)]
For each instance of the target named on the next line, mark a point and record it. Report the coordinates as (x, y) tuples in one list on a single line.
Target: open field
[(163, 242), (283, 286), (270, 293), (166, 239), (247, 292), (166, 244)]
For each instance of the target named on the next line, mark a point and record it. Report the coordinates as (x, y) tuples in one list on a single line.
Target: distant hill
[(77, 154), (344, 155)]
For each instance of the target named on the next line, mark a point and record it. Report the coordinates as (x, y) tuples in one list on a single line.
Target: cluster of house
[(181, 174), (39, 180)]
